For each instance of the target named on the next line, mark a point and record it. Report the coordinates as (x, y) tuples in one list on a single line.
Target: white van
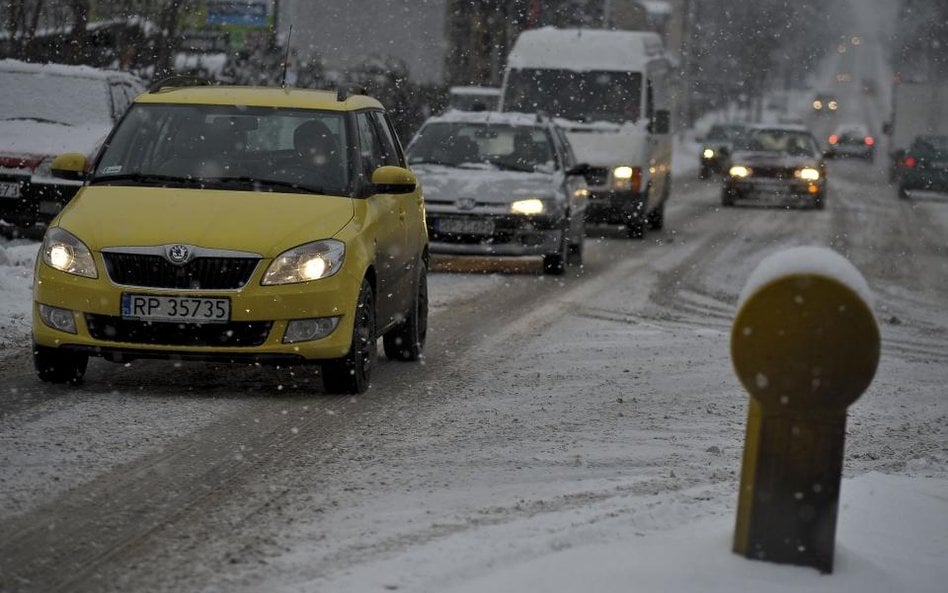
[(609, 90)]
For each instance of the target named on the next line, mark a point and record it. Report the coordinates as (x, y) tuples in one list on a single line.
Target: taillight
[(909, 162), (870, 140), (833, 139)]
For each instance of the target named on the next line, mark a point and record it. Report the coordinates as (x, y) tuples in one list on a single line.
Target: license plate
[(175, 308), (9, 190), (466, 226)]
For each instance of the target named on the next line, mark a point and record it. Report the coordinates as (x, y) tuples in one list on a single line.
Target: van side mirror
[(661, 122)]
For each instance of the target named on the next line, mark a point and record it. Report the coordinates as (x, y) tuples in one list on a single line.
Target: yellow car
[(237, 224)]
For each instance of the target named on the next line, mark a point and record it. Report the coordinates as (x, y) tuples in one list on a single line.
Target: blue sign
[(245, 13)]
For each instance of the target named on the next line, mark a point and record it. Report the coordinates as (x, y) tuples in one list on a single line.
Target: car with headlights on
[(776, 163), (716, 147), (501, 184), (256, 225), (825, 104), (924, 166), (47, 109)]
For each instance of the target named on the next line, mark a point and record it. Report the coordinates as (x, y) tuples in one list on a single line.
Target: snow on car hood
[(488, 184), (603, 144), (259, 222), (28, 137)]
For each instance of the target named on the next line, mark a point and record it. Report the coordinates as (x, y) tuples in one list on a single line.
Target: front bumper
[(258, 319), (615, 206), (763, 189), (505, 235)]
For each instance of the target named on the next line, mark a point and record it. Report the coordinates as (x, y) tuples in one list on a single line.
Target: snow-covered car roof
[(512, 118), (784, 127)]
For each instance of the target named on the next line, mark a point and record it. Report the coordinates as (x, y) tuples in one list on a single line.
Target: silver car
[(501, 184)]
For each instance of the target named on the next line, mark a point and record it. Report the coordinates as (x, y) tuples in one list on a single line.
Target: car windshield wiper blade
[(42, 120), (146, 178), (258, 181), (508, 166)]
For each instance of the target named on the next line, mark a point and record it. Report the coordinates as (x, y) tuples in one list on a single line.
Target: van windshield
[(595, 95)]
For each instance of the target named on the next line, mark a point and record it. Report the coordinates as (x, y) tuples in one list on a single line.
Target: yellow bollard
[(805, 345)]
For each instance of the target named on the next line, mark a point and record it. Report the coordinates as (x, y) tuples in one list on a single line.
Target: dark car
[(45, 110), (776, 162), (924, 165), (851, 140), (716, 147), (501, 184)]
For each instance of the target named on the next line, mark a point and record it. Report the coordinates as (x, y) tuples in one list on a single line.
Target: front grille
[(773, 172), (234, 333), (202, 273)]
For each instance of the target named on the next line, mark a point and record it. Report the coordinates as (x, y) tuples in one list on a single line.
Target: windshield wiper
[(145, 178), (42, 120), (255, 181), (508, 166)]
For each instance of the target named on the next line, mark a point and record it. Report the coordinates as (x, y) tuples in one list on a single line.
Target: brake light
[(20, 162), (870, 140), (909, 162), (833, 139)]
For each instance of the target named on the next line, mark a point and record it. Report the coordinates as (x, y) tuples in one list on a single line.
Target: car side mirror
[(394, 180), (70, 165), (661, 122)]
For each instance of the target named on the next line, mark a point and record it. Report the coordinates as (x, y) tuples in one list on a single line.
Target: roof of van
[(584, 49)]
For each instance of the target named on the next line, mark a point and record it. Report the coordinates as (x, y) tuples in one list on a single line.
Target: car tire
[(727, 198), (406, 341), (351, 373), (656, 218), (903, 192), (704, 173), (54, 365), (819, 202), (555, 263)]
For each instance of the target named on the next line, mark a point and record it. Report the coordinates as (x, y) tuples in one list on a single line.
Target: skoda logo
[(178, 254), (466, 204)]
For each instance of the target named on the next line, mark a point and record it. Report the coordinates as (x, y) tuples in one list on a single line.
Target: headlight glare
[(311, 261), (622, 172), (527, 206), (739, 171), (708, 153), (808, 174), (64, 252)]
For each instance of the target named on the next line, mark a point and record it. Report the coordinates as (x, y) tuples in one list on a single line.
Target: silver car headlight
[(808, 174), (311, 261), (708, 153), (528, 206), (64, 252), (739, 171)]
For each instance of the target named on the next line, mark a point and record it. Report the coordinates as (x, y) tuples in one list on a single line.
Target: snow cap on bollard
[(805, 345), (805, 335)]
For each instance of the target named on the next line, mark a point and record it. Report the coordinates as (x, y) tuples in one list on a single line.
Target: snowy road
[(546, 409)]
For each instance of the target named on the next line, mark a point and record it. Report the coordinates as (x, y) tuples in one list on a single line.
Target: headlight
[(739, 171), (627, 178), (817, 105), (63, 251), (833, 105), (708, 153), (622, 172), (527, 206), (808, 174), (311, 261)]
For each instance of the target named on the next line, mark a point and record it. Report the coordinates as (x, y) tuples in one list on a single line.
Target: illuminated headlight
[(708, 153), (527, 206), (739, 171), (622, 172), (833, 105), (817, 105), (808, 174), (56, 318), (63, 251), (305, 330), (311, 261)]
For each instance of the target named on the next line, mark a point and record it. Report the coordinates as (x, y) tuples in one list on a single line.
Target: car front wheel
[(58, 366), (351, 373), (406, 341), (555, 263)]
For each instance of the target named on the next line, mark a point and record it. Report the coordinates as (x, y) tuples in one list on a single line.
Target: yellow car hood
[(260, 222)]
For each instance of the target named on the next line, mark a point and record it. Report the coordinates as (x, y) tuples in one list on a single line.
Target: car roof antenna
[(286, 57)]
